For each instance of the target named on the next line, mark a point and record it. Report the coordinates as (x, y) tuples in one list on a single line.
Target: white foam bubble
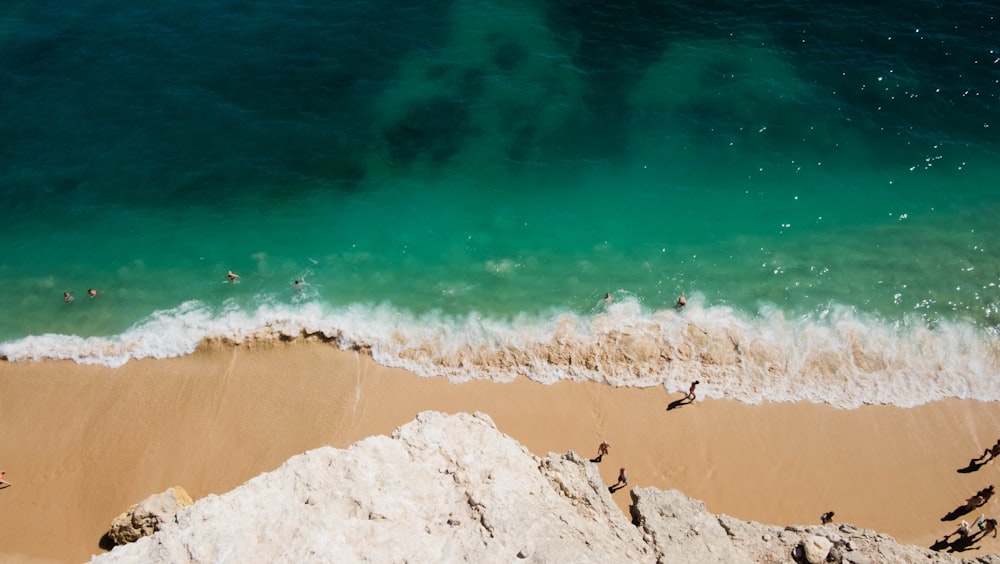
[(836, 356)]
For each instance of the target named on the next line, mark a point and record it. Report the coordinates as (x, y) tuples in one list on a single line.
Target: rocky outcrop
[(146, 517), (442, 488), (448, 488), (681, 530)]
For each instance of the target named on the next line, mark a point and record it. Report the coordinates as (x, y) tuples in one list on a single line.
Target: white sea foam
[(838, 356)]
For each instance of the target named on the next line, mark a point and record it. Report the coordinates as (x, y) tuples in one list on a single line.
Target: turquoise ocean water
[(460, 183)]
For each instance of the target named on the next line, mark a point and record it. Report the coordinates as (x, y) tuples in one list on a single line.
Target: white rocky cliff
[(448, 488)]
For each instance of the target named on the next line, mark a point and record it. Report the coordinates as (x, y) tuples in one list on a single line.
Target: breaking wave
[(836, 356)]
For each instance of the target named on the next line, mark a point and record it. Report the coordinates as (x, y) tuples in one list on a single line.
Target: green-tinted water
[(459, 184)]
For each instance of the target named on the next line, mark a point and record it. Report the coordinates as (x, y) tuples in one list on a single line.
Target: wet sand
[(82, 443)]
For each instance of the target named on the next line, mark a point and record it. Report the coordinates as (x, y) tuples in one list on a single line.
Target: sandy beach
[(82, 443)]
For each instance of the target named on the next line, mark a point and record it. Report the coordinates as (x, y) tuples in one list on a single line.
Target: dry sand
[(82, 443)]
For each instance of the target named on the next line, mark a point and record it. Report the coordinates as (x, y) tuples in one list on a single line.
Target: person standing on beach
[(962, 531), (621, 483), (989, 526), (826, 518), (691, 395), (602, 449)]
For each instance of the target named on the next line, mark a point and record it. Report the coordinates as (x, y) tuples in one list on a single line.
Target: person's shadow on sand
[(681, 402), (688, 398), (615, 487), (939, 545), (963, 544), (960, 544), (957, 512), (972, 467)]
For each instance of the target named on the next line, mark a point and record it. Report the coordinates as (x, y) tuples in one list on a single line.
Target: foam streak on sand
[(838, 356)]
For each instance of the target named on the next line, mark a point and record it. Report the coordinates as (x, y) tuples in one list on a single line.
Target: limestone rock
[(148, 516), (441, 489), (684, 532), (816, 549), (449, 488)]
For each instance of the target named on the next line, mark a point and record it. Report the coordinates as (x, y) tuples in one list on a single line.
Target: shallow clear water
[(460, 183)]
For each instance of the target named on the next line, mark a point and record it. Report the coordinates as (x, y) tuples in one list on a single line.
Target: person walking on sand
[(602, 449), (622, 478), (962, 531), (691, 395), (985, 526), (4, 483), (989, 526)]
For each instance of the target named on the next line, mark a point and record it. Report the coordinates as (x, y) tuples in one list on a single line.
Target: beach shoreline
[(83, 443)]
